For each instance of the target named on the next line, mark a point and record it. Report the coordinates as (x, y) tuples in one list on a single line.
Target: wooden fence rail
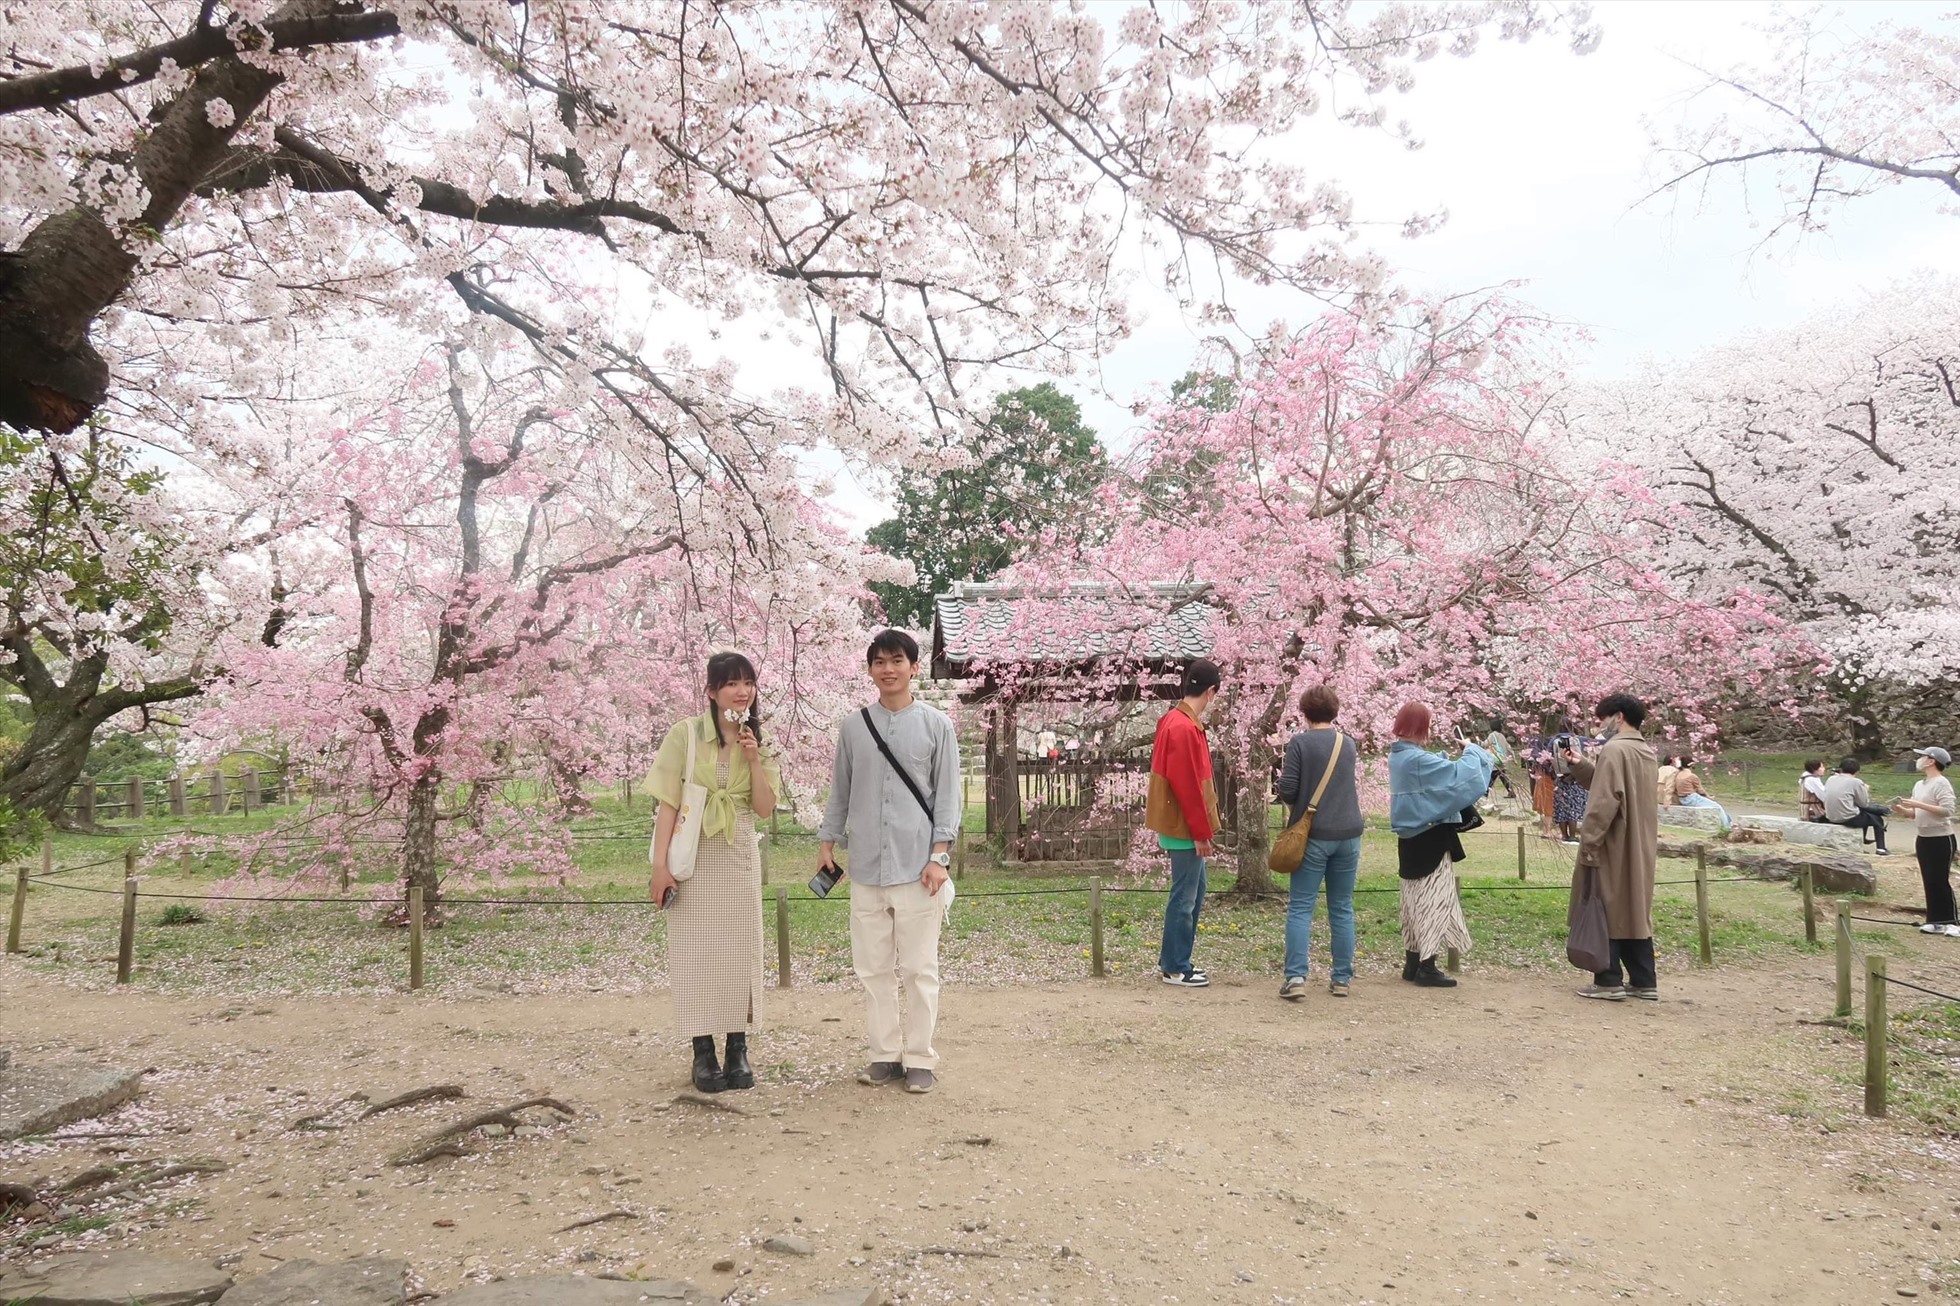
[(182, 795)]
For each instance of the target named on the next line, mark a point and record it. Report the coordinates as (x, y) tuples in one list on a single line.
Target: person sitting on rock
[(1848, 802), (1690, 792), (1810, 790)]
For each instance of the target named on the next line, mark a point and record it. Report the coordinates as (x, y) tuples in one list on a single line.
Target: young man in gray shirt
[(899, 836)]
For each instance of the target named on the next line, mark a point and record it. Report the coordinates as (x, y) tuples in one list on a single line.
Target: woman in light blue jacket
[(1428, 793)]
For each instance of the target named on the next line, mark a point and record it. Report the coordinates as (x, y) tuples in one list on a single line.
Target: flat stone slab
[(1692, 818), (372, 1281), (116, 1279), (844, 1297), (35, 1099), (1815, 833), (565, 1290)]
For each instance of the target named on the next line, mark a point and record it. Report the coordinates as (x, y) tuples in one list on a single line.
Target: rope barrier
[(616, 902), (1907, 984)]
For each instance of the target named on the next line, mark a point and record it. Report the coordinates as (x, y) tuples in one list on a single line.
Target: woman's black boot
[(738, 1073), (1411, 961), (1428, 977), (707, 1071)]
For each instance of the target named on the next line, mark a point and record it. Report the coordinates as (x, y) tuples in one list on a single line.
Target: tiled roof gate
[(1007, 645)]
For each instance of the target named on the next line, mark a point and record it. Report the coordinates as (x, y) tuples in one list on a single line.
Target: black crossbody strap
[(901, 772)]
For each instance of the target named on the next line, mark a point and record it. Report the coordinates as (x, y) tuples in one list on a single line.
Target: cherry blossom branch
[(61, 86)]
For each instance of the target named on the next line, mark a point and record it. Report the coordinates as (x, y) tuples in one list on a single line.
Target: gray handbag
[(1588, 943)]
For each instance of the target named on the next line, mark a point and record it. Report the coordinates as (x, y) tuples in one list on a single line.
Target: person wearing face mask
[(1182, 810), (714, 919), (1620, 839), (1931, 810)]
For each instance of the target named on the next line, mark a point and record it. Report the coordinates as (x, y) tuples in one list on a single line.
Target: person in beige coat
[(1620, 838)]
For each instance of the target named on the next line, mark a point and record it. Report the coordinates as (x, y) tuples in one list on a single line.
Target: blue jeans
[(1337, 862), (1181, 912), (1703, 800)]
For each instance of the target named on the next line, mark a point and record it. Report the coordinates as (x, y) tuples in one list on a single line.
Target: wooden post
[(85, 806), (1452, 962), (133, 803), (20, 910), (626, 797), (959, 855), (1809, 881), (248, 787), (179, 806), (1701, 904), (217, 793), (126, 944), (1842, 929), (129, 862), (47, 854), (184, 863), (1521, 854), (1095, 925), (414, 937), (782, 936), (1875, 1034)]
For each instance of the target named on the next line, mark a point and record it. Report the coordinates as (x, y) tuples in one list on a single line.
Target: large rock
[(554, 1290), (1835, 871), (116, 1279), (1692, 818), (373, 1281), (1815, 833), (35, 1099)]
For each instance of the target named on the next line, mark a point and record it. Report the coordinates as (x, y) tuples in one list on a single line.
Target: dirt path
[(1091, 1142)]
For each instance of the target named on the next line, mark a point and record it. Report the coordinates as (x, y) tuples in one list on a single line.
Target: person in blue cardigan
[(1428, 793)]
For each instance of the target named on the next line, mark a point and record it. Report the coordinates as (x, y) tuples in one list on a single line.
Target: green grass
[(1770, 778), (997, 931), (1925, 1063)]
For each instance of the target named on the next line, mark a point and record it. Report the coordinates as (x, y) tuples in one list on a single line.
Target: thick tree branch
[(66, 85)]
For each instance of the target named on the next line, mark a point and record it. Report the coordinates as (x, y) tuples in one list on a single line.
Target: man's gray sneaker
[(919, 1080), (1294, 989), (881, 1072), (1645, 995), (1605, 992)]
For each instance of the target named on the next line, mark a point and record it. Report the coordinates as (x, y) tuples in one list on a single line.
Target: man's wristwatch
[(941, 859)]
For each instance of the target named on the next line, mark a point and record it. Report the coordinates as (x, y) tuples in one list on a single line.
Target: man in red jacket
[(1183, 811)]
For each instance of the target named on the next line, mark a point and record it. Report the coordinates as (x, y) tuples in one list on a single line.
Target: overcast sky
[(1541, 158)]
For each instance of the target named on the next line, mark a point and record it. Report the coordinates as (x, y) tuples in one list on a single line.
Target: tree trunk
[(419, 840), (66, 715), (37, 778), (1250, 812), (572, 801)]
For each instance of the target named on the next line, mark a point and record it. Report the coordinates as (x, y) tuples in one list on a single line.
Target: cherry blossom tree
[(912, 190), (100, 611), (1384, 507), (494, 592), (1833, 114), (1814, 465)]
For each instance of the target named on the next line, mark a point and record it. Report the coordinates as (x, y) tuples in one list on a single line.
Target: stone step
[(373, 1281), (116, 1279)]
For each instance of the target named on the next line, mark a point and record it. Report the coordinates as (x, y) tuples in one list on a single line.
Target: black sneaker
[(1190, 979)]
